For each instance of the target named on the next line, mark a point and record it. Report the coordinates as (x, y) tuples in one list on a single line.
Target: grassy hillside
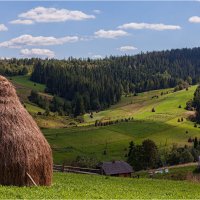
[(161, 126), (24, 86), (27, 83), (74, 186)]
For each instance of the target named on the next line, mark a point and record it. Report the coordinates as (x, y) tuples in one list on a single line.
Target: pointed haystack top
[(24, 152)]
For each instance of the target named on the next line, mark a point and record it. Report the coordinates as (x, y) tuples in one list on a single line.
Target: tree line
[(89, 85), (96, 84), (15, 67), (147, 155)]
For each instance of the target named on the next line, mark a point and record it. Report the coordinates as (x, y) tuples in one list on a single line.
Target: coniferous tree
[(196, 102)]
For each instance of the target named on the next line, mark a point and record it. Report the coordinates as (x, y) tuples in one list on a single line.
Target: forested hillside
[(97, 84), (93, 85)]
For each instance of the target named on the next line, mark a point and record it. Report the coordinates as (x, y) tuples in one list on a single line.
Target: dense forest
[(88, 85), (97, 84)]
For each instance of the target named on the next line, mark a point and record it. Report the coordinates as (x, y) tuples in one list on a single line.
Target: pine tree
[(196, 102)]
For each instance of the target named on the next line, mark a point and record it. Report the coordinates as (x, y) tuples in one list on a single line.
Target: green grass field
[(76, 186), (161, 126), (24, 81)]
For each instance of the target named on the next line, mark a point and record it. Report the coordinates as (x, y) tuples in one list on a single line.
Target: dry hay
[(23, 149)]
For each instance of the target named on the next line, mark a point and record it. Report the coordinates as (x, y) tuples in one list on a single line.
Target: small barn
[(116, 168)]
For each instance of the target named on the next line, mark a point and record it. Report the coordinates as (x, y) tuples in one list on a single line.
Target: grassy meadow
[(77, 186), (161, 126), (24, 85), (24, 81)]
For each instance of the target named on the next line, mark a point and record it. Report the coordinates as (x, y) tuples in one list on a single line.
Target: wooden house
[(116, 168)]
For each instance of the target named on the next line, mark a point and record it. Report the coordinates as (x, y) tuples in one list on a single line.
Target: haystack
[(25, 155)]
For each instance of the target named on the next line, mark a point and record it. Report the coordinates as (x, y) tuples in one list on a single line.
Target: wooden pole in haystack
[(25, 155)]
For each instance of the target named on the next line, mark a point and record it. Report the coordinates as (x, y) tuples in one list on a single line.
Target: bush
[(186, 157), (173, 157), (190, 140), (85, 161), (39, 113), (189, 105), (182, 119), (197, 170)]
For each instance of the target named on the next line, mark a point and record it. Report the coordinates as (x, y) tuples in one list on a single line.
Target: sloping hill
[(24, 86), (161, 126)]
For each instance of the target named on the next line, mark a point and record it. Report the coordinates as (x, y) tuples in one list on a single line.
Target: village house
[(116, 168)]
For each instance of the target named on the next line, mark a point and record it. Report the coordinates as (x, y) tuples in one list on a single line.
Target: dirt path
[(181, 165)]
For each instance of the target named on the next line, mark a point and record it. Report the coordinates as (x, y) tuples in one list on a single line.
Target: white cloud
[(37, 53), (127, 48), (97, 11), (29, 40), (3, 27), (42, 14), (194, 19), (157, 27), (22, 21), (97, 56), (112, 34)]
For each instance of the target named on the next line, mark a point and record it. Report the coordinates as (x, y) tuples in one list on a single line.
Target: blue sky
[(96, 29)]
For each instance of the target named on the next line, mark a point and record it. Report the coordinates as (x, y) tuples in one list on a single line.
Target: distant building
[(116, 168)]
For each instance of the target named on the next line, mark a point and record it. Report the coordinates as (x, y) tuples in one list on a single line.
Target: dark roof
[(116, 167)]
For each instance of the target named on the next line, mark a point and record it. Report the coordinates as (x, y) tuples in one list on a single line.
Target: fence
[(78, 170)]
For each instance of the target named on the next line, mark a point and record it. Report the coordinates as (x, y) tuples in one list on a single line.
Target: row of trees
[(97, 84), (148, 156), (14, 67)]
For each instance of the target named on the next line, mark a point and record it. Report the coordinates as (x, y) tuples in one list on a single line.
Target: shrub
[(189, 105), (186, 157), (39, 113), (182, 119)]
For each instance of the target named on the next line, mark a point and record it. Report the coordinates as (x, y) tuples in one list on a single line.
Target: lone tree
[(25, 155)]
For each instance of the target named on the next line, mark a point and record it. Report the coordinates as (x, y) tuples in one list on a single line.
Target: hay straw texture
[(23, 148)]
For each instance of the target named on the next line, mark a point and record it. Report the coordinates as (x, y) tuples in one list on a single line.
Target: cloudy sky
[(96, 29)]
